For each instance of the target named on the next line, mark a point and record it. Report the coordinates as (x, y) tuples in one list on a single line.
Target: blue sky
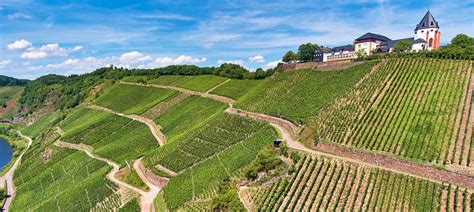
[(71, 37)]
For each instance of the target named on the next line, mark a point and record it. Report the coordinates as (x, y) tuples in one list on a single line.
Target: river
[(6, 153)]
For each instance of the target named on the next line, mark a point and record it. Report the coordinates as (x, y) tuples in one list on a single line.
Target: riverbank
[(17, 145)]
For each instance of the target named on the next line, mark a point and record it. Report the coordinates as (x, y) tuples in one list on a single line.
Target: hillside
[(390, 134), (9, 96)]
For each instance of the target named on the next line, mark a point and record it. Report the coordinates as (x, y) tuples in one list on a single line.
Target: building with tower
[(427, 37)]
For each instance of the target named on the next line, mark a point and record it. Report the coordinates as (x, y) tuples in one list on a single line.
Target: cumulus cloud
[(237, 62), (134, 57), (19, 15), (182, 59), (4, 63), (257, 59), (19, 44), (52, 49), (127, 60), (272, 64)]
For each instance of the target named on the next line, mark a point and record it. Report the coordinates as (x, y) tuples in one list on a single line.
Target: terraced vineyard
[(415, 108), (176, 121), (234, 89), (299, 95), (322, 184), (201, 179), (130, 99), (67, 180), (117, 138), (215, 136), (200, 83)]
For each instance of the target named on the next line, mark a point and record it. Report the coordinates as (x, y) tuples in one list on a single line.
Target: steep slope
[(415, 108), (298, 95)]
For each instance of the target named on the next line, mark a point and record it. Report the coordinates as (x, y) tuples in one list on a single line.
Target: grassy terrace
[(177, 121), (203, 177), (131, 99), (67, 180), (412, 108), (216, 135), (40, 125), (117, 138), (235, 89), (300, 94), (200, 83)]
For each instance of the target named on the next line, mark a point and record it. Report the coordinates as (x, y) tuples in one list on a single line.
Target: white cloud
[(52, 49), (134, 57), (272, 64), (127, 60), (4, 63), (257, 59), (238, 62), (19, 15), (34, 55), (19, 44), (77, 48), (182, 59)]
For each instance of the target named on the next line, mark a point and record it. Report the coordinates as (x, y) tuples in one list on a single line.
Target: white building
[(427, 37), (428, 30)]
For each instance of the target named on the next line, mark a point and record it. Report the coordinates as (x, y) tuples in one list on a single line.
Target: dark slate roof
[(385, 46), (427, 22), (323, 49), (370, 35), (348, 47)]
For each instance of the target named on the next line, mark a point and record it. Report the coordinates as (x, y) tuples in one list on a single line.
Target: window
[(431, 43), (432, 23), (422, 31)]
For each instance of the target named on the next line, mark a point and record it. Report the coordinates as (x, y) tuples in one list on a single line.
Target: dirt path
[(159, 136), (146, 200), (289, 132), (148, 197), (244, 200), (8, 177), (210, 90), (184, 90)]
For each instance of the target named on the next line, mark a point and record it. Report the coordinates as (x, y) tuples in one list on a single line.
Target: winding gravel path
[(146, 200), (8, 177), (289, 133)]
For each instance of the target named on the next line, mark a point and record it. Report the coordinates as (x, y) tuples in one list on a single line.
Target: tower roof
[(427, 21)]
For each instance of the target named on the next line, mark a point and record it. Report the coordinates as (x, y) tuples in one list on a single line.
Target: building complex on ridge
[(427, 37)]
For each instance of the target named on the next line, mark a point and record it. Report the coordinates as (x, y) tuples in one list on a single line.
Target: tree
[(402, 46), (306, 51), (462, 40), (289, 57)]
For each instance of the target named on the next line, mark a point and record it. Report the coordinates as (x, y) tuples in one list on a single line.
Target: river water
[(5, 153)]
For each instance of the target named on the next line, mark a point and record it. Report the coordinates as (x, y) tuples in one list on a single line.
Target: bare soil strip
[(8, 177), (159, 136)]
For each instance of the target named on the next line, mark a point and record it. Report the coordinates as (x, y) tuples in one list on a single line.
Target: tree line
[(62, 92)]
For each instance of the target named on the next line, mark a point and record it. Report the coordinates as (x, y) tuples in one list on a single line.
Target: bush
[(265, 161)]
